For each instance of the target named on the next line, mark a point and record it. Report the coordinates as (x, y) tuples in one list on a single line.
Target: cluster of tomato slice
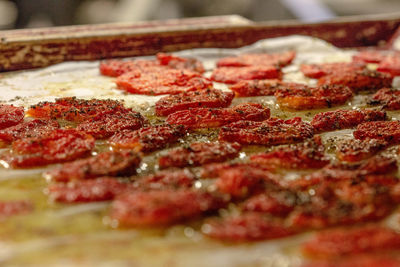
[(199, 178)]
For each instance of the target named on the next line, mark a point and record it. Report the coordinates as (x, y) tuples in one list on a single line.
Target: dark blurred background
[(45, 13)]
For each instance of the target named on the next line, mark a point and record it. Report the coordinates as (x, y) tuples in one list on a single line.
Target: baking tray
[(32, 48)]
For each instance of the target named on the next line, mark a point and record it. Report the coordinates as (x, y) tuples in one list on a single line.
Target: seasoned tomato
[(269, 132), (391, 65), (370, 56), (279, 59), (246, 227), (10, 115), (355, 150), (197, 154), (107, 123), (216, 117), (162, 81), (115, 68), (234, 75), (340, 242), (162, 207), (358, 80), (33, 128), (60, 145), (207, 98), (99, 189), (263, 87), (109, 163), (383, 130), (388, 97), (149, 138), (166, 179), (176, 62), (313, 97), (74, 109), (342, 119), (213, 170), (319, 70), (307, 155), (279, 203)]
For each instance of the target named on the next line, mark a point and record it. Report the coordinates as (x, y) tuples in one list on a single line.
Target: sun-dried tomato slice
[(217, 117), (358, 80), (313, 97), (99, 189), (241, 180), (214, 169), (197, 154), (10, 115), (180, 62), (115, 68), (263, 87), (308, 155), (355, 150), (208, 98), (342, 119), (10, 208), (340, 242), (166, 179), (109, 163), (319, 70), (269, 132), (61, 145), (162, 207), (162, 81), (149, 138), (259, 59), (33, 128), (232, 75), (108, 123), (388, 97), (383, 130), (275, 203), (246, 227), (390, 64), (379, 165), (74, 109), (370, 56)]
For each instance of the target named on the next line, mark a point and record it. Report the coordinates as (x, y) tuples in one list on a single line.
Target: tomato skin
[(162, 81), (232, 75), (148, 139), (319, 70), (61, 145), (162, 207), (207, 98), (307, 155), (197, 154), (245, 60), (313, 97), (216, 117), (269, 132), (78, 191), (33, 128), (109, 163), (166, 179), (343, 119), (10, 115), (247, 88)]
